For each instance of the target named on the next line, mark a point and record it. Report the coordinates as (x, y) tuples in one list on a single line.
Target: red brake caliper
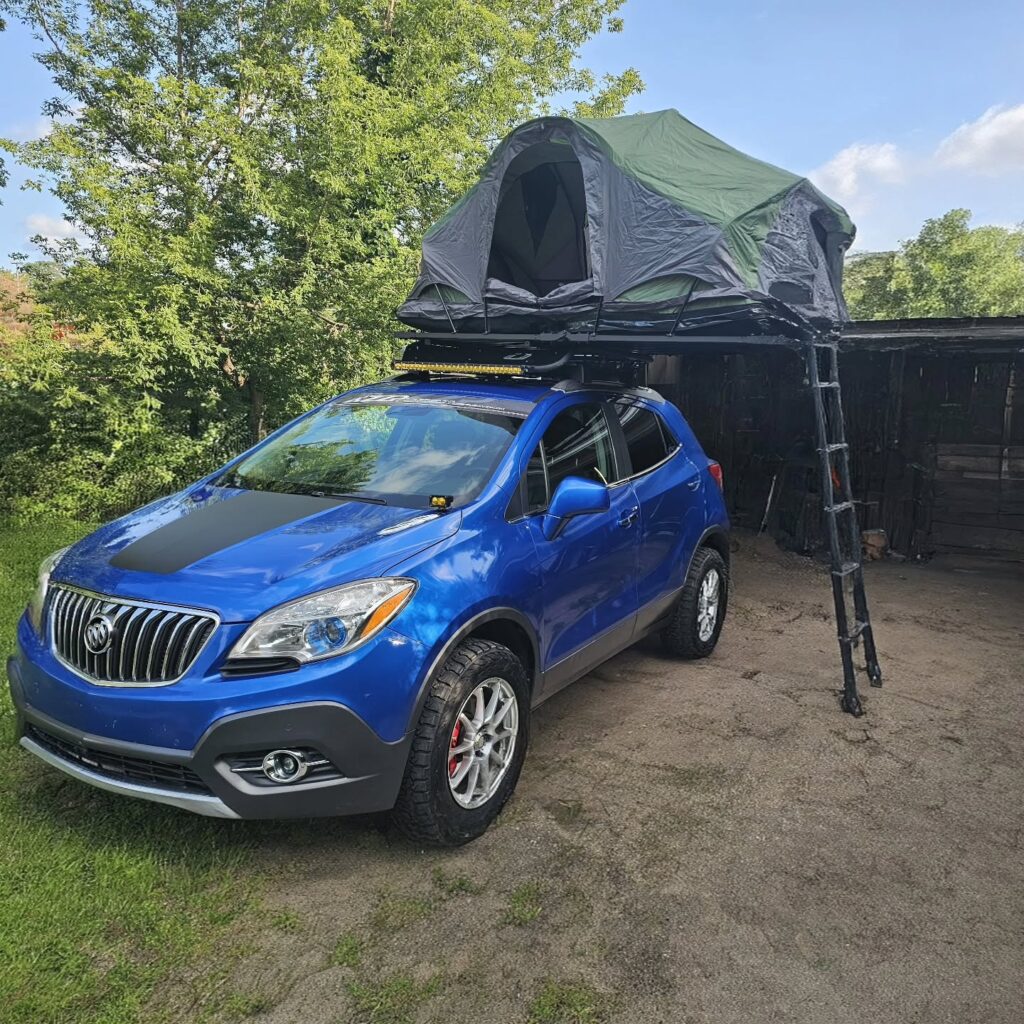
[(452, 765)]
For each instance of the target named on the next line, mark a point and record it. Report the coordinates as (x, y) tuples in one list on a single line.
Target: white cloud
[(51, 228), (890, 190), (994, 144), (854, 172), (29, 132)]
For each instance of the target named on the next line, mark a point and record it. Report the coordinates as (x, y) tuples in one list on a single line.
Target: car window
[(532, 493), (536, 482), (404, 453), (646, 436), (577, 443)]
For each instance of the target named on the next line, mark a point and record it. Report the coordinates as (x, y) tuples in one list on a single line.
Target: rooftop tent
[(627, 221)]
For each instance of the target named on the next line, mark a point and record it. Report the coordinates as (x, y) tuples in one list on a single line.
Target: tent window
[(540, 228)]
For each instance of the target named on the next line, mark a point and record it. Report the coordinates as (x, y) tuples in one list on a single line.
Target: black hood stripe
[(215, 526)]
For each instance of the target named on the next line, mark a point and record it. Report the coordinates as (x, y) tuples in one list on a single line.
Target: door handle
[(627, 519)]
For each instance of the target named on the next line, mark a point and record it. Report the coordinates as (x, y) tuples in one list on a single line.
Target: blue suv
[(359, 613)]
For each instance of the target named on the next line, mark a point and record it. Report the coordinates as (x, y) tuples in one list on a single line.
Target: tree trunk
[(257, 410)]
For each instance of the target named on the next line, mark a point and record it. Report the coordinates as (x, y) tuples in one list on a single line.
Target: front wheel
[(469, 746), (696, 622)]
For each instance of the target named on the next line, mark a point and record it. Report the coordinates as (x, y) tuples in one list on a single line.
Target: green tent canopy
[(628, 221)]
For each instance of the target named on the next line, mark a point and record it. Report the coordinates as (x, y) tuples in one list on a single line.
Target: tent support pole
[(440, 295), (682, 309)]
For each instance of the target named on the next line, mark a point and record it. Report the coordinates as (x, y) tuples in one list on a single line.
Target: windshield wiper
[(349, 497)]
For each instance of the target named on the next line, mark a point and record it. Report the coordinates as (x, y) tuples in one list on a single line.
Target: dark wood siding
[(936, 441)]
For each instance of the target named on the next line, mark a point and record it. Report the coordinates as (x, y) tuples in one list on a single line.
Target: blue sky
[(900, 109)]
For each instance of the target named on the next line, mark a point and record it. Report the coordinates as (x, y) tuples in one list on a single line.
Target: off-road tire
[(681, 636), (426, 811)]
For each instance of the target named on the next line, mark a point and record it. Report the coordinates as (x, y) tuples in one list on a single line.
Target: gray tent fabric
[(628, 219)]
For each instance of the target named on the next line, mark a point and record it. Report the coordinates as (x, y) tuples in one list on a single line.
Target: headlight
[(35, 606), (327, 624)]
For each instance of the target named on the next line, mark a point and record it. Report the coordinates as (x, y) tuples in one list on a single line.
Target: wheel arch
[(501, 625), (716, 538)]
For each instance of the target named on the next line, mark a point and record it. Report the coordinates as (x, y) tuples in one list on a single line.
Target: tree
[(252, 179), (950, 269)]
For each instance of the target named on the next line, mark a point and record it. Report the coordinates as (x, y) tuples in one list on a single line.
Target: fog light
[(285, 766)]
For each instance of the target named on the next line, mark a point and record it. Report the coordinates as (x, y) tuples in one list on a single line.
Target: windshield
[(394, 453)]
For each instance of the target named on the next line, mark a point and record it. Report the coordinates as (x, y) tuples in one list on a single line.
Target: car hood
[(241, 552)]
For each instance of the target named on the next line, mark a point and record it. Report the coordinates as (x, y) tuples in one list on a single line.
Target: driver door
[(589, 570)]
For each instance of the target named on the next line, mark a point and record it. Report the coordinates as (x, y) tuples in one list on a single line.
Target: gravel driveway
[(709, 842)]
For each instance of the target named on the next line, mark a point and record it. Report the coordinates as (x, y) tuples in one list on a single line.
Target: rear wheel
[(468, 748), (696, 622)]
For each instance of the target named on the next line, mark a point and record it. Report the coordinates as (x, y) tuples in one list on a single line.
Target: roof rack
[(588, 355), (534, 356)]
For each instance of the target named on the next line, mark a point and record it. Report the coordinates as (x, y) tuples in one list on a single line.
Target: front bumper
[(365, 771)]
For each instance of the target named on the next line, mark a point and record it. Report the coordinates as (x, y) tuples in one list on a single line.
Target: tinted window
[(401, 454), (536, 482), (532, 493), (578, 444), (645, 437)]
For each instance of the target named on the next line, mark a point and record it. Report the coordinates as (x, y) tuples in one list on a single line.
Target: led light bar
[(505, 371)]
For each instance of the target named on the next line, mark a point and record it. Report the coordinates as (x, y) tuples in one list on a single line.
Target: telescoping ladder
[(822, 356)]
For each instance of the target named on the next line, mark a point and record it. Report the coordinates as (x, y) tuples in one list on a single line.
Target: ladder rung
[(828, 384), (841, 507), (824, 344), (840, 446), (855, 632), (846, 569)]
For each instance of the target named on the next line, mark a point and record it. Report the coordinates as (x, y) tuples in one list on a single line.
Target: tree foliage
[(950, 269), (251, 181)]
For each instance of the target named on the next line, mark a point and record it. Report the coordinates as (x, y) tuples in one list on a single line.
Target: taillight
[(716, 471)]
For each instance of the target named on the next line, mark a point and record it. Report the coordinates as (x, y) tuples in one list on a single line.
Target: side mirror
[(573, 497)]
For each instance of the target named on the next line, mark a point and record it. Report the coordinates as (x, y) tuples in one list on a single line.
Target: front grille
[(157, 774), (149, 644)]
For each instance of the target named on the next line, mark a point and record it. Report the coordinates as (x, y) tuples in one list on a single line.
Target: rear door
[(669, 490), (589, 570)]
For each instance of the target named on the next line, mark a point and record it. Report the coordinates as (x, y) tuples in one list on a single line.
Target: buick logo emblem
[(98, 634)]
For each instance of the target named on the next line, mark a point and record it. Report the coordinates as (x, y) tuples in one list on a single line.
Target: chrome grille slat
[(143, 642), (120, 615), (78, 620), (92, 606), (60, 610), (165, 624), (170, 644), (152, 644), (129, 635), (190, 638)]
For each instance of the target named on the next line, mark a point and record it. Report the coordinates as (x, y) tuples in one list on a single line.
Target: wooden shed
[(935, 421)]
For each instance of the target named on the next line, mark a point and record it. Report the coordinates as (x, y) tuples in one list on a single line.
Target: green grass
[(347, 952), (287, 921), (559, 1003), (391, 1000), (101, 898), (393, 913), (453, 885), (524, 904)]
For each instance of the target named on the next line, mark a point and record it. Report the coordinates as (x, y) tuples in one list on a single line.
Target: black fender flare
[(465, 630), (717, 531)]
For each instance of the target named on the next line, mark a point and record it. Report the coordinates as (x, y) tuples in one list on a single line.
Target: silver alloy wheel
[(707, 605), (483, 742)]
